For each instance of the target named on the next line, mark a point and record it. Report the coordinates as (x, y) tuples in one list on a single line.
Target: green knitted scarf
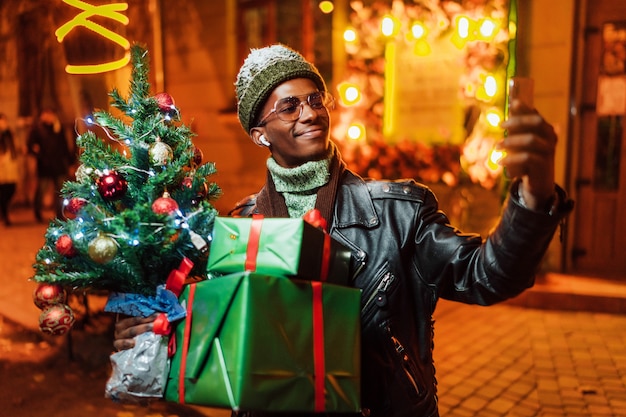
[(299, 185)]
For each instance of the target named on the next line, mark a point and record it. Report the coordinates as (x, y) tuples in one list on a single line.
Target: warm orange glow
[(488, 29), (489, 89), (422, 48), (490, 85), (389, 25), (349, 93), (356, 131), (349, 35), (418, 30), (326, 6), (493, 117), (463, 27), (494, 158), (464, 31)]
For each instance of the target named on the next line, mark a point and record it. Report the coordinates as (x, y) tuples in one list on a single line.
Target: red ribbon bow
[(176, 279), (175, 282), (315, 218)]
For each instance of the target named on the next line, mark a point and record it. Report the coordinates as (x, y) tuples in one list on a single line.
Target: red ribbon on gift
[(161, 325), (174, 283), (319, 358), (325, 258), (176, 279), (314, 217), (186, 340), (253, 242)]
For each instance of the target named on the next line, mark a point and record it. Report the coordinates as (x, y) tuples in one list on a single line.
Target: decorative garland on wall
[(481, 32)]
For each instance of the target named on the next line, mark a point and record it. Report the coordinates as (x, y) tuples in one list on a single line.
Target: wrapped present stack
[(275, 328)]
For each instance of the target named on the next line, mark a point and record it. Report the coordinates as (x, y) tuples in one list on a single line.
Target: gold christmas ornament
[(102, 249), (83, 173), (160, 153)]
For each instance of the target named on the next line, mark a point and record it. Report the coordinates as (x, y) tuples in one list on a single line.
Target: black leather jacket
[(405, 257)]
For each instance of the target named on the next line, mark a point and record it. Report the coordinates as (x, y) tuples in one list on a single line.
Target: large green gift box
[(277, 246), (258, 342)]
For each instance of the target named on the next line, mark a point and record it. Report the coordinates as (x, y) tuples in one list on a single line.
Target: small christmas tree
[(141, 203)]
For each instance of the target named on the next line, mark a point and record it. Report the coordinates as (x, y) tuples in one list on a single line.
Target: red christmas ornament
[(165, 102), (165, 204), (112, 186), (47, 294), (65, 246), (187, 182), (73, 206), (56, 319)]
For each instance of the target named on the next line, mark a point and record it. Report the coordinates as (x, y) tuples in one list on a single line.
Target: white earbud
[(264, 141)]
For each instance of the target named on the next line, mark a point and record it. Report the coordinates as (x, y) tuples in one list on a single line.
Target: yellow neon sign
[(111, 11)]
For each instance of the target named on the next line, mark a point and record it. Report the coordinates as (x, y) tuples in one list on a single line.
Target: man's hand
[(127, 328), (530, 147)]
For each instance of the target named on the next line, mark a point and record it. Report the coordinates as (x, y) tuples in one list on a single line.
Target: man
[(405, 254)]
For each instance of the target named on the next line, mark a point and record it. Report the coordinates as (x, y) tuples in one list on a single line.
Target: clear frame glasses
[(289, 109)]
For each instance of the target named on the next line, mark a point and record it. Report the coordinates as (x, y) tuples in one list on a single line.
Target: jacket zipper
[(380, 295), (405, 362)]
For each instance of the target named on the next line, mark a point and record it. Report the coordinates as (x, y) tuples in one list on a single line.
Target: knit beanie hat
[(262, 71)]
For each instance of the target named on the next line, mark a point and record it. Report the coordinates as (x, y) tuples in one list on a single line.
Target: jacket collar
[(354, 204)]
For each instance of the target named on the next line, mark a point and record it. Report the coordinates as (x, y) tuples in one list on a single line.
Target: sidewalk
[(512, 361), (555, 291), (559, 349)]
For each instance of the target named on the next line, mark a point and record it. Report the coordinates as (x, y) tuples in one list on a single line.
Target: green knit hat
[(262, 71)]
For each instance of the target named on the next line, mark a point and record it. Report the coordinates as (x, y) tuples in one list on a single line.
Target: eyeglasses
[(289, 109)]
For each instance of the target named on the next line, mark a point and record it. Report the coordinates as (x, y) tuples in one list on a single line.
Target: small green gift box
[(258, 342), (277, 246)]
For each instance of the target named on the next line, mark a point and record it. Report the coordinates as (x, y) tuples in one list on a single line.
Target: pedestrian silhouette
[(47, 141), (8, 169)]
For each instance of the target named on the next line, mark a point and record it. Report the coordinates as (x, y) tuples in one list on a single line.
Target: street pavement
[(558, 350)]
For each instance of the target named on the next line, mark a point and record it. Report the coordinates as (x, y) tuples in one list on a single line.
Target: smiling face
[(296, 142)]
